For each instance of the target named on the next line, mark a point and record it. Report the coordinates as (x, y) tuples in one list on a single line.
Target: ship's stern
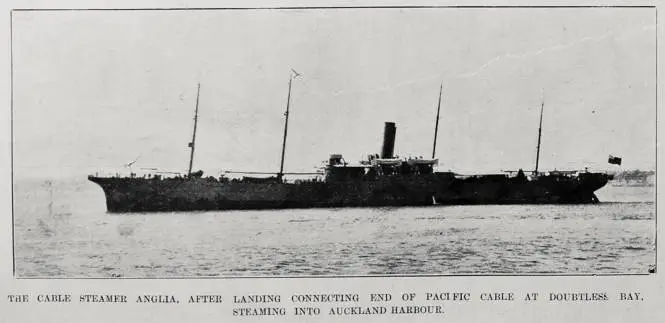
[(590, 183)]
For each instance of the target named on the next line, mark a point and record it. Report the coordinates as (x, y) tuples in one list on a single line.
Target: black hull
[(125, 195)]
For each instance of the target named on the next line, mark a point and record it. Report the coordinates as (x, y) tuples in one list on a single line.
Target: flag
[(614, 160)]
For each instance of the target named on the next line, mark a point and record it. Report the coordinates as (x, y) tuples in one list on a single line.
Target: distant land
[(634, 177)]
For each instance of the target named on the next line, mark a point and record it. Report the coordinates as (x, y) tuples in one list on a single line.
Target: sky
[(94, 90)]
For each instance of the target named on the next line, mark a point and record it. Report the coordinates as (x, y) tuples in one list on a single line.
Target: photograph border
[(290, 8)]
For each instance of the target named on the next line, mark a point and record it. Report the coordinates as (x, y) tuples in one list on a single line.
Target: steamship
[(380, 180)]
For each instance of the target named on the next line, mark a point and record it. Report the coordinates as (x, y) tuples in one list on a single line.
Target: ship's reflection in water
[(76, 238)]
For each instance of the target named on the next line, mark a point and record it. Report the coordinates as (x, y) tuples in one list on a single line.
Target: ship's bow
[(110, 187)]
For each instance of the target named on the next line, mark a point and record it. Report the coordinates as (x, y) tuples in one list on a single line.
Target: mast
[(540, 132), (193, 142), (286, 128), (436, 126)]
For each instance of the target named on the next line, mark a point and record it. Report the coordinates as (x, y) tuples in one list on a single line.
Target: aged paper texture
[(331, 161)]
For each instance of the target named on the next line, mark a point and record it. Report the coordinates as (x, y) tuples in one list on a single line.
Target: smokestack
[(388, 140)]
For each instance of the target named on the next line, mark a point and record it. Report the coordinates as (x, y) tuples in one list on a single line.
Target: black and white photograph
[(334, 142)]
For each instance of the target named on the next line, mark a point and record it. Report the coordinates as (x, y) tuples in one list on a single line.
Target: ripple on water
[(616, 238)]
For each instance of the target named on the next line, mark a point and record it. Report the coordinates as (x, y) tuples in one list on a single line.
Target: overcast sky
[(95, 90)]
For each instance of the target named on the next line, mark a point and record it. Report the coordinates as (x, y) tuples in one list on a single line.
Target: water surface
[(75, 237)]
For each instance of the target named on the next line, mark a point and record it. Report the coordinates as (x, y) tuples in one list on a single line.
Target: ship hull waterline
[(128, 195)]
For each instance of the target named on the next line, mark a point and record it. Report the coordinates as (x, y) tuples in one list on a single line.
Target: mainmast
[(286, 124), (436, 126), (540, 132), (192, 144)]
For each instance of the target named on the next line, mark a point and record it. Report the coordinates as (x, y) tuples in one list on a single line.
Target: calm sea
[(62, 230)]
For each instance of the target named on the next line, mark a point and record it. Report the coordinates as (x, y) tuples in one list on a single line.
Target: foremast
[(286, 124)]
